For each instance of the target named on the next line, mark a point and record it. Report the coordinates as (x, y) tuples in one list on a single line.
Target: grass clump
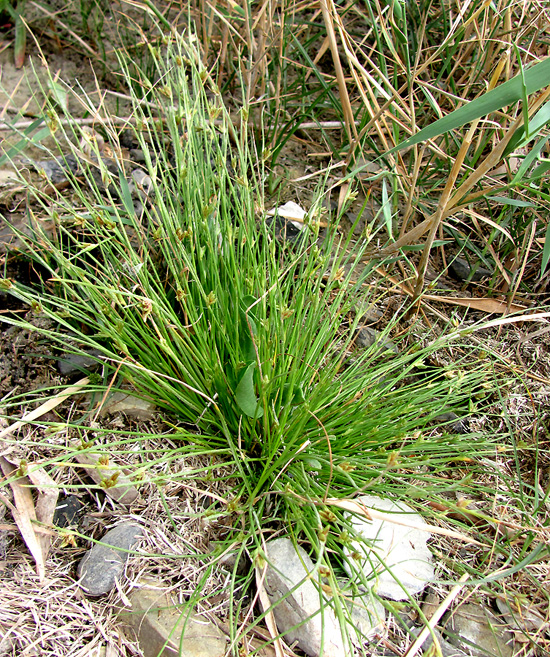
[(246, 338)]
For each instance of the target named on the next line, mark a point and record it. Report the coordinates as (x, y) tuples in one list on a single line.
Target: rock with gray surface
[(462, 270), (164, 629), (104, 563), (390, 555), (367, 337), (288, 568), (476, 630), (428, 648)]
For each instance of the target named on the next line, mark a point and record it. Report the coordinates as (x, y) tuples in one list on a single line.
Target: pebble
[(460, 425), (69, 364), (103, 564), (67, 511), (367, 337), (132, 406), (462, 271)]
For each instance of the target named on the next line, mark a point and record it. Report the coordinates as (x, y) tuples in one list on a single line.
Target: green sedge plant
[(245, 338)]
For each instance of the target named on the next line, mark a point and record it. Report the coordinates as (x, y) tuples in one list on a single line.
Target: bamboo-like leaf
[(533, 79)]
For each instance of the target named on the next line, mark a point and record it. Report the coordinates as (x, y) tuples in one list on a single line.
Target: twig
[(428, 629)]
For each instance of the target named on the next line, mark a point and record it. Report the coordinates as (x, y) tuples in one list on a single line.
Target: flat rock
[(159, 627), (476, 630), (287, 567), (130, 405), (104, 563), (388, 546)]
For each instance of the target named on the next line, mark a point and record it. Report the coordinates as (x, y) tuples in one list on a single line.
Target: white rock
[(290, 211), (390, 546), (368, 616), (287, 567)]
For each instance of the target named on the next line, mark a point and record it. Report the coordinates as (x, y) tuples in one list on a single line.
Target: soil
[(53, 617)]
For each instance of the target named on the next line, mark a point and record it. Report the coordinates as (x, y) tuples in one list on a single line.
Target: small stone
[(367, 312), (475, 629), (368, 616), (367, 337), (388, 546), (158, 623), (460, 425), (235, 558), (521, 617), (462, 271), (67, 511), (137, 155), (430, 604), (130, 405), (287, 567), (104, 562), (367, 168), (74, 363)]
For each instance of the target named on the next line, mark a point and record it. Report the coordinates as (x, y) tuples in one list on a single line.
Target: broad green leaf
[(540, 171), (536, 124), (245, 395), (532, 80), (40, 135), (293, 394)]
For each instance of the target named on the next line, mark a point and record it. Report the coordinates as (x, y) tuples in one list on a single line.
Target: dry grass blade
[(45, 407), (24, 514), (485, 305), (441, 209), (46, 502), (329, 10), (269, 617)]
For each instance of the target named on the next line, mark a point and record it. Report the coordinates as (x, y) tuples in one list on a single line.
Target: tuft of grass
[(245, 338)]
